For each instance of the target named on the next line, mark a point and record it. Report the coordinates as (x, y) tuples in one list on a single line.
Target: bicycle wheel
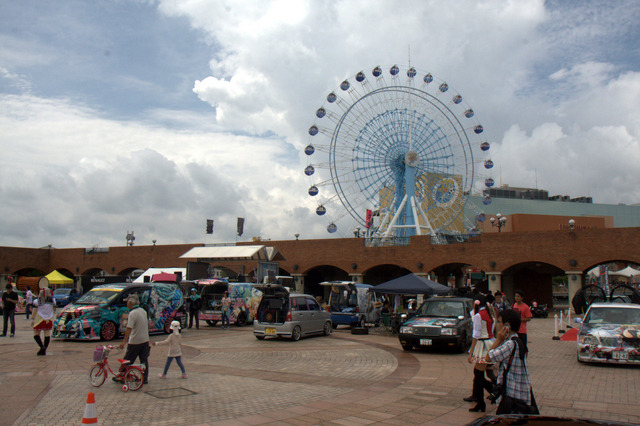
[(134, 378), (97, 375)]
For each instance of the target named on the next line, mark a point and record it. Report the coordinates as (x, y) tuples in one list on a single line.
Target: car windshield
[(441, 308), (611, 315), (97, 296), (62, 292)]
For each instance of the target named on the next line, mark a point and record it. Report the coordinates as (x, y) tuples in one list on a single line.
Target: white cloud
[(557, 88)]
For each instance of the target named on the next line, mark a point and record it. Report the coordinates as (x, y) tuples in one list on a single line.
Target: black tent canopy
[(413, 284)]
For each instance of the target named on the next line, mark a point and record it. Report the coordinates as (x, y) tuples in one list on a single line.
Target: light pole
[(498, 221), (572, 224), (297, 236)]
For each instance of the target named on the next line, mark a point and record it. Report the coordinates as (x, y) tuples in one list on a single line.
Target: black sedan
[(439, 321)]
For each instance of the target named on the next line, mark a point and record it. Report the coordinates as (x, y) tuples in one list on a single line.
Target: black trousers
[(8, 315), (142, 351), (193, 315)]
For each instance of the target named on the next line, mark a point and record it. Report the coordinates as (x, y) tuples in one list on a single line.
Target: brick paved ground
[(235, 379)]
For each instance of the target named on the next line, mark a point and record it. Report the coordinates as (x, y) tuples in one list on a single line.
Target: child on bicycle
[(175, 349)]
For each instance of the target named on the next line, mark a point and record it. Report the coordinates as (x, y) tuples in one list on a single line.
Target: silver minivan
[(291, 315)]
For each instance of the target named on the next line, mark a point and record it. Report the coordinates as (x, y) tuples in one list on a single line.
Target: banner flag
[(209, 226), (240, 226), (369, 218)]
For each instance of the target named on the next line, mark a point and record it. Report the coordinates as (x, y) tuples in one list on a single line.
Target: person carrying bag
[(513, 388)]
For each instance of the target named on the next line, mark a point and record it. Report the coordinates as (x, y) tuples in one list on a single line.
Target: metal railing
[(438, 239)]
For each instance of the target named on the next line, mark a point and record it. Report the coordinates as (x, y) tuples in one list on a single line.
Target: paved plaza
[(347, 379)]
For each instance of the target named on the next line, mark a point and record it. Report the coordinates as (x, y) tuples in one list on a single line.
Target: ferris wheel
[(399, 152)]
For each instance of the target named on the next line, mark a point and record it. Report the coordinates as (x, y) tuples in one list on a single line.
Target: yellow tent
[(57, 279)]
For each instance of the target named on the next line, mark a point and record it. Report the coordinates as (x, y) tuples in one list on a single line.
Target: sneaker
[(12, 335), (162, 376), (2, 335), (184, 376)]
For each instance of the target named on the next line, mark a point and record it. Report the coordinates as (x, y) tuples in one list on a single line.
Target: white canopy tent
[(231, 253)]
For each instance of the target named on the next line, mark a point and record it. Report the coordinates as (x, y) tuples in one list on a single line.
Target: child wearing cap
[(175, 349)]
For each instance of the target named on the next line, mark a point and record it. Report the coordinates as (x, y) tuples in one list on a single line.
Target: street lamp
[(498, 221), (572, 224), (297, 236), (356, 233)]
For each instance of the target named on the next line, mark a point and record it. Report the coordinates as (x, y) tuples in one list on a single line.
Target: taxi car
[(439, 321), (610, 333)]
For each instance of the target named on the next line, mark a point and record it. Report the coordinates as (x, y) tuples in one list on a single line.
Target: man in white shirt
[(136, 336)]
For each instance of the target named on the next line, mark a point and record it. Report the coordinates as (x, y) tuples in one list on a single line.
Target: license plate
[(425, 342), (619, 355), (270, 330)]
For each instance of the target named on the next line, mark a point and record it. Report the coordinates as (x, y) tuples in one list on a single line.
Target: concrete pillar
[(357, 278), (298, 282), (574, 279), (495, 281)]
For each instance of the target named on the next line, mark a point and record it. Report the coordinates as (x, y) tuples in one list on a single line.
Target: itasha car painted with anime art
[(610, 333), (101, 313)]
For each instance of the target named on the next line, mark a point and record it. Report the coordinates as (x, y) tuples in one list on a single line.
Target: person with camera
[(513, 388)]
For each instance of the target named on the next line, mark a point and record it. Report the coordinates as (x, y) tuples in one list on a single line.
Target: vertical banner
[(240, 226), (369, 218), (209, 226)]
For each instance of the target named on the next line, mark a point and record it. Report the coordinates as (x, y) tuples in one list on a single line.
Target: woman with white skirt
[(482, 341)]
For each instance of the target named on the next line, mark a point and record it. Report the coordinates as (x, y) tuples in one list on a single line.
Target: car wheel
[(360, 322), (184, 321), (212, 323), (407, 348), (296, 333), (242, 320), (108, 331), (259, 337), (461, 344), (327, 328)]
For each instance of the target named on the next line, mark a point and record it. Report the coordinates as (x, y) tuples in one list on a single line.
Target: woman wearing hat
[(175, 349), (43, 316)]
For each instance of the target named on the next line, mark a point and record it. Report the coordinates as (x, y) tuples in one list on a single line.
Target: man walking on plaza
[(195, 304), (136, 336), (525, 316), (9, 302), (29, 299), (226, 309)]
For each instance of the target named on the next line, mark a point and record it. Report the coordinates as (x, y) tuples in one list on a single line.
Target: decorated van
[(101, 313), (244, 301)]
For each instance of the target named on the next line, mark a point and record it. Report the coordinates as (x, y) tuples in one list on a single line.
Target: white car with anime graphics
[(101, 313), (610, 333)]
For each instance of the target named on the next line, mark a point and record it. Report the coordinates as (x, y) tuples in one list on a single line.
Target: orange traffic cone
[(90, 410)]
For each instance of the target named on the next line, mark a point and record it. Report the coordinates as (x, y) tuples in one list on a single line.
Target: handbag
[(511, 405)]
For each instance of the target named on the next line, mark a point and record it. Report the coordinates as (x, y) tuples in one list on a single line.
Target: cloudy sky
[(153, 116)]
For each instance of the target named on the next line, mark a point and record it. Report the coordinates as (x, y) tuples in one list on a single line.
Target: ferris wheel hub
[(412, 158)]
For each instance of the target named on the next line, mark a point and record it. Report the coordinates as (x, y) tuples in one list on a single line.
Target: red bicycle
[(131, 374)]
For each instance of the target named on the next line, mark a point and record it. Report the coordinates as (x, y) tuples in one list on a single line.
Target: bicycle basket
[(99, 353)]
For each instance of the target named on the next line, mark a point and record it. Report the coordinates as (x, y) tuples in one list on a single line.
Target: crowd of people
[(499, 332)]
